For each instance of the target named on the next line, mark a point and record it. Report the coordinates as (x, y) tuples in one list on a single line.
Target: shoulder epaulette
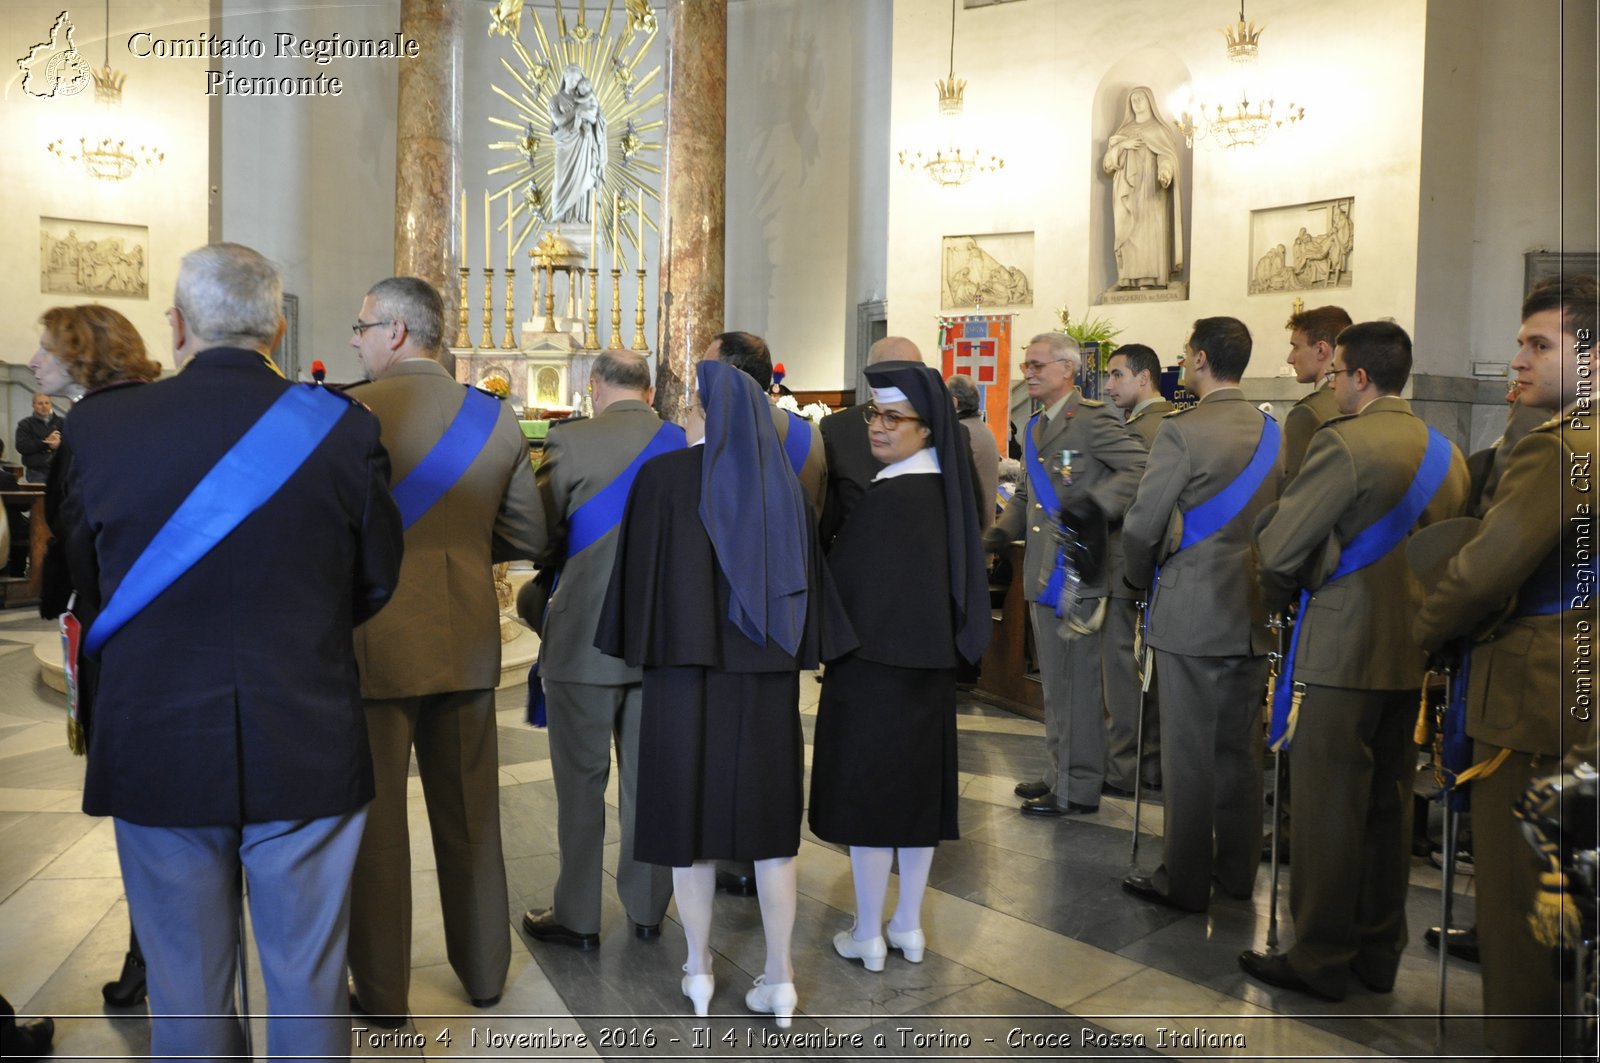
[(1181, 410), (1338, 418), (1091, 402), (341, 391)]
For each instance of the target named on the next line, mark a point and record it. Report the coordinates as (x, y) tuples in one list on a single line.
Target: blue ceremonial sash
[(1043, 491), (1455, 746), (1552, 589), (239, 483), (797, 444), (1365, 547), (450, 457), (591, 521), (1212, 515)]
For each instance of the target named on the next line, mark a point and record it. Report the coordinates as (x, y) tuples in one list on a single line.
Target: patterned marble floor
[(1033, 951)]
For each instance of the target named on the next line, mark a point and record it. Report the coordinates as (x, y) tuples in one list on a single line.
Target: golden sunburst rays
[(624, 94)]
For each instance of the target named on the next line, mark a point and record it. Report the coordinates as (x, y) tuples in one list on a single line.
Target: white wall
[(807, 140), (1032, 71)]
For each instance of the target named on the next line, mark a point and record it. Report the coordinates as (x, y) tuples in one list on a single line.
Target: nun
[(718, 593), (908, 564)]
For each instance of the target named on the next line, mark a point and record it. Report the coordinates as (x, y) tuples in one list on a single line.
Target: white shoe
[(698, 988), (870, 952), (776, 1000), (911, 943)]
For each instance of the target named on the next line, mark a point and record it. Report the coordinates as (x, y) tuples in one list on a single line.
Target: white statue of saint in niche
[(579, 130), (1147, 207)]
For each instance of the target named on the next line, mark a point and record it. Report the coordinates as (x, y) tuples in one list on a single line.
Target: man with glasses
[(1371, 477), (1081, 468), (1213, 468), (431, 660)]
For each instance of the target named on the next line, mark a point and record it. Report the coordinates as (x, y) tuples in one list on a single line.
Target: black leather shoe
[(129, 988), (1463, 942), (1031, 790), (31, 1039), (1114, 791), (1153, 787), (542, 926), (387, 1022), (1144, 888), (1049, 806), (647, 931), (486, 1002), (738, 885), (1274, 970)]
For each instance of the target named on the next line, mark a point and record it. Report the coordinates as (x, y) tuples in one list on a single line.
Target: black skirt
[(720, 758), (883, 768)]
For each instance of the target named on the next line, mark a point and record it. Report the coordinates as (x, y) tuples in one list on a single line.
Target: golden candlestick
[(591, 335), (508, 341), (639, 342), (550, 298), (486, 340), (616, 309), (463, 335)]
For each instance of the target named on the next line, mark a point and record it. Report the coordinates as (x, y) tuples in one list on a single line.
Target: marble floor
[(1033, 950)]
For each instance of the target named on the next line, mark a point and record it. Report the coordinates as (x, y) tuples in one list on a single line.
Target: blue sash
[(797, 444), (1212, 515), (1366, 547), (591, 521), (1455, 746), (447, 462), (239, 483), (1552, 589), (1043, 491)]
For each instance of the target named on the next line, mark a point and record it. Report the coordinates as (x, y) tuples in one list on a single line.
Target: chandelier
[(1241, 122), (951, 166), (107, 158)]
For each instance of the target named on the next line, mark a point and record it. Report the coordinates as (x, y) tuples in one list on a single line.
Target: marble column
[(696, 153), (427, 173)]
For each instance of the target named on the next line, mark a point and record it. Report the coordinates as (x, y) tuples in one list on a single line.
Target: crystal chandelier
[(107, 158), (951, 166), (1242, 122)]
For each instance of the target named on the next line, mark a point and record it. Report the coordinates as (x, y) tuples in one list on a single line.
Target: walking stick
[(1143, 657), (1275, 623)]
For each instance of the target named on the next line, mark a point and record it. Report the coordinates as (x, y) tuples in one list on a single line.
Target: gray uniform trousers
[(1120, 678), (585, 721), (1211, 769), (1073, 736), (1352, 858), (458, 760)]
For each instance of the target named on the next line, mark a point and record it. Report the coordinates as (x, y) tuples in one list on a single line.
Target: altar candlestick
[(641, 226), (461, 237), (616, 210), (486, 262), (594, 218), (508, 233)]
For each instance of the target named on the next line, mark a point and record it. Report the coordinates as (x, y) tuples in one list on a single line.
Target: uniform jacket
[(233, 697), (1143, 424), (1356, 631), (579, 459), (851, 466), (1523, 679), (814, 473), (1105, 476), (442, 631), (986, 463), (1208, 603), (1304, 418)]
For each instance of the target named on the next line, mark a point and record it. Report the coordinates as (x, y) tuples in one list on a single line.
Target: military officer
[(1311, 341)]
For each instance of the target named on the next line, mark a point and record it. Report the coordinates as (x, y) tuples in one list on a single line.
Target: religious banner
[(979, 346)]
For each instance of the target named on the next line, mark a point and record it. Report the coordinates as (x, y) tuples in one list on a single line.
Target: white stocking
[(693, 888), (914, 867), (870, 870), (776, 889)]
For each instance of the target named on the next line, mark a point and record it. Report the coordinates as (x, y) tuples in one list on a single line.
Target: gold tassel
[(1553, 910), (75, 740), (1424, 728)]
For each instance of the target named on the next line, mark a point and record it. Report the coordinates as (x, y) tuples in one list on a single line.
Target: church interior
[(811, 172)]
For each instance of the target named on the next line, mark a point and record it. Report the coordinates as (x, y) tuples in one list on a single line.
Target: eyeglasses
[(361, 326), (1330, 374), (891, 418), (1035, 368)]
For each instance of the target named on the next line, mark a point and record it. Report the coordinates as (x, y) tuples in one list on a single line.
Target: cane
[(1142, 657), (1275, 623)]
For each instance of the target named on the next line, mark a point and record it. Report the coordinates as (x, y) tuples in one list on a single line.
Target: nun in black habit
[(908, 564), (719, 595)]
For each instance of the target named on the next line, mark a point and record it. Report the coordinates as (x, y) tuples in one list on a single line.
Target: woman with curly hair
[(84, 349)]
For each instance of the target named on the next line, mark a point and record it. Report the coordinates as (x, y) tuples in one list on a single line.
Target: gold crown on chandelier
[(1243, 38), (950, 94), (108, 83)]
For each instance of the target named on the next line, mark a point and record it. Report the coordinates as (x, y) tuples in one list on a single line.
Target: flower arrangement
[(498, 386), (811, 411)]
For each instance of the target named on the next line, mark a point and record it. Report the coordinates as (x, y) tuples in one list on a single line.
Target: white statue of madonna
[(1147, 207), (579, 130)]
